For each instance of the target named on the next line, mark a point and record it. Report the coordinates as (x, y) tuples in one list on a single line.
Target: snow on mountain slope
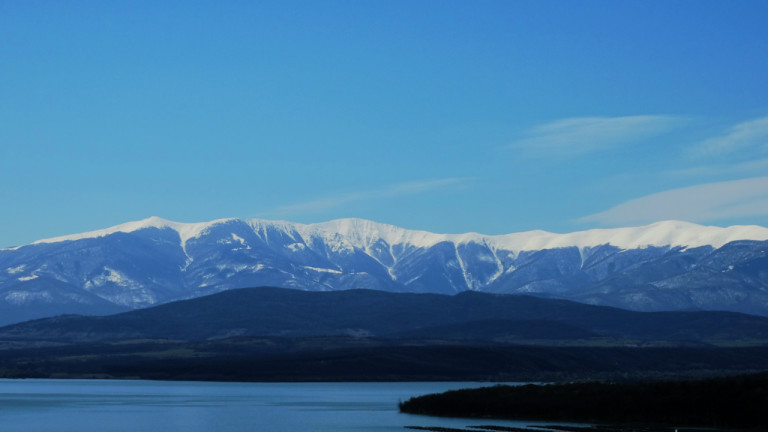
[(667, 233), (362, 233), (186, 230), (666, 265)]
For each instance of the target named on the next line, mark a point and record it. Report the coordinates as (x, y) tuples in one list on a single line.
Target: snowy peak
[(186, 231), (659, 234), (661, 266), (363, 233)]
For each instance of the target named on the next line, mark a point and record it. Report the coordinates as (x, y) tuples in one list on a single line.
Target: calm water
[(115, 406)]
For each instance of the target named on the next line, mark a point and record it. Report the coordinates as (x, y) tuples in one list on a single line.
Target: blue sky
[(448, 116)]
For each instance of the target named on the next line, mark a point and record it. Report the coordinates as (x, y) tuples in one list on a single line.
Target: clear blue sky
[(448, 116)]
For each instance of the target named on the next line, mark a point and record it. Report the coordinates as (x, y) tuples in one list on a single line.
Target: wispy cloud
[(574, 136), (701, 203), (749, 138), (390, 191), (755, 166)]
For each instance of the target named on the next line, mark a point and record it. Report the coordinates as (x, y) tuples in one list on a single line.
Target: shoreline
[(729, 402)]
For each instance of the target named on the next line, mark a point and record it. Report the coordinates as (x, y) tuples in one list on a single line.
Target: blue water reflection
[(153, 406)]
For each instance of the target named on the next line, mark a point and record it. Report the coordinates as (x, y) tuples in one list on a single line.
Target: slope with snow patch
[(666, 265)]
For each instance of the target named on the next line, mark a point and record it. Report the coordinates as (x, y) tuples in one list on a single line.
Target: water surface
[(159, 406)]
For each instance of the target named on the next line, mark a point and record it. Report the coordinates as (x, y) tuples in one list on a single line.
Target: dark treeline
[(740, 401), (355, 359)]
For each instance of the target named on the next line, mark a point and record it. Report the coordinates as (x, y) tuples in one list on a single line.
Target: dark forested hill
[(277, 312)]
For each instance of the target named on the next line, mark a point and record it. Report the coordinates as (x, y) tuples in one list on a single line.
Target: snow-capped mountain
[(664, 266)]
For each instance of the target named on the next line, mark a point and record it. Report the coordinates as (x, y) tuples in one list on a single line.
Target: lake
[(155, 406)]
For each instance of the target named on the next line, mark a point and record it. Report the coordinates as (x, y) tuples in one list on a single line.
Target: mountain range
[(668, 265)]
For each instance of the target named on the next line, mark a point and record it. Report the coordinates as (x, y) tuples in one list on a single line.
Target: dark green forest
[(738, 401)]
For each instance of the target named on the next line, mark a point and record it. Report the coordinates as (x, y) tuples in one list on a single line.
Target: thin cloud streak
[(750, 135), (744, 168), (581, 135), (391, 191), (701, 203)]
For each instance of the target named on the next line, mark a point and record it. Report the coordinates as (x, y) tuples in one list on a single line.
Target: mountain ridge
[(669, 265), (663, 233), (288, 313), (277, 334)]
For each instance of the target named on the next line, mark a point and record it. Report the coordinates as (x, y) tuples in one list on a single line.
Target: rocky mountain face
[(664, 266)]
